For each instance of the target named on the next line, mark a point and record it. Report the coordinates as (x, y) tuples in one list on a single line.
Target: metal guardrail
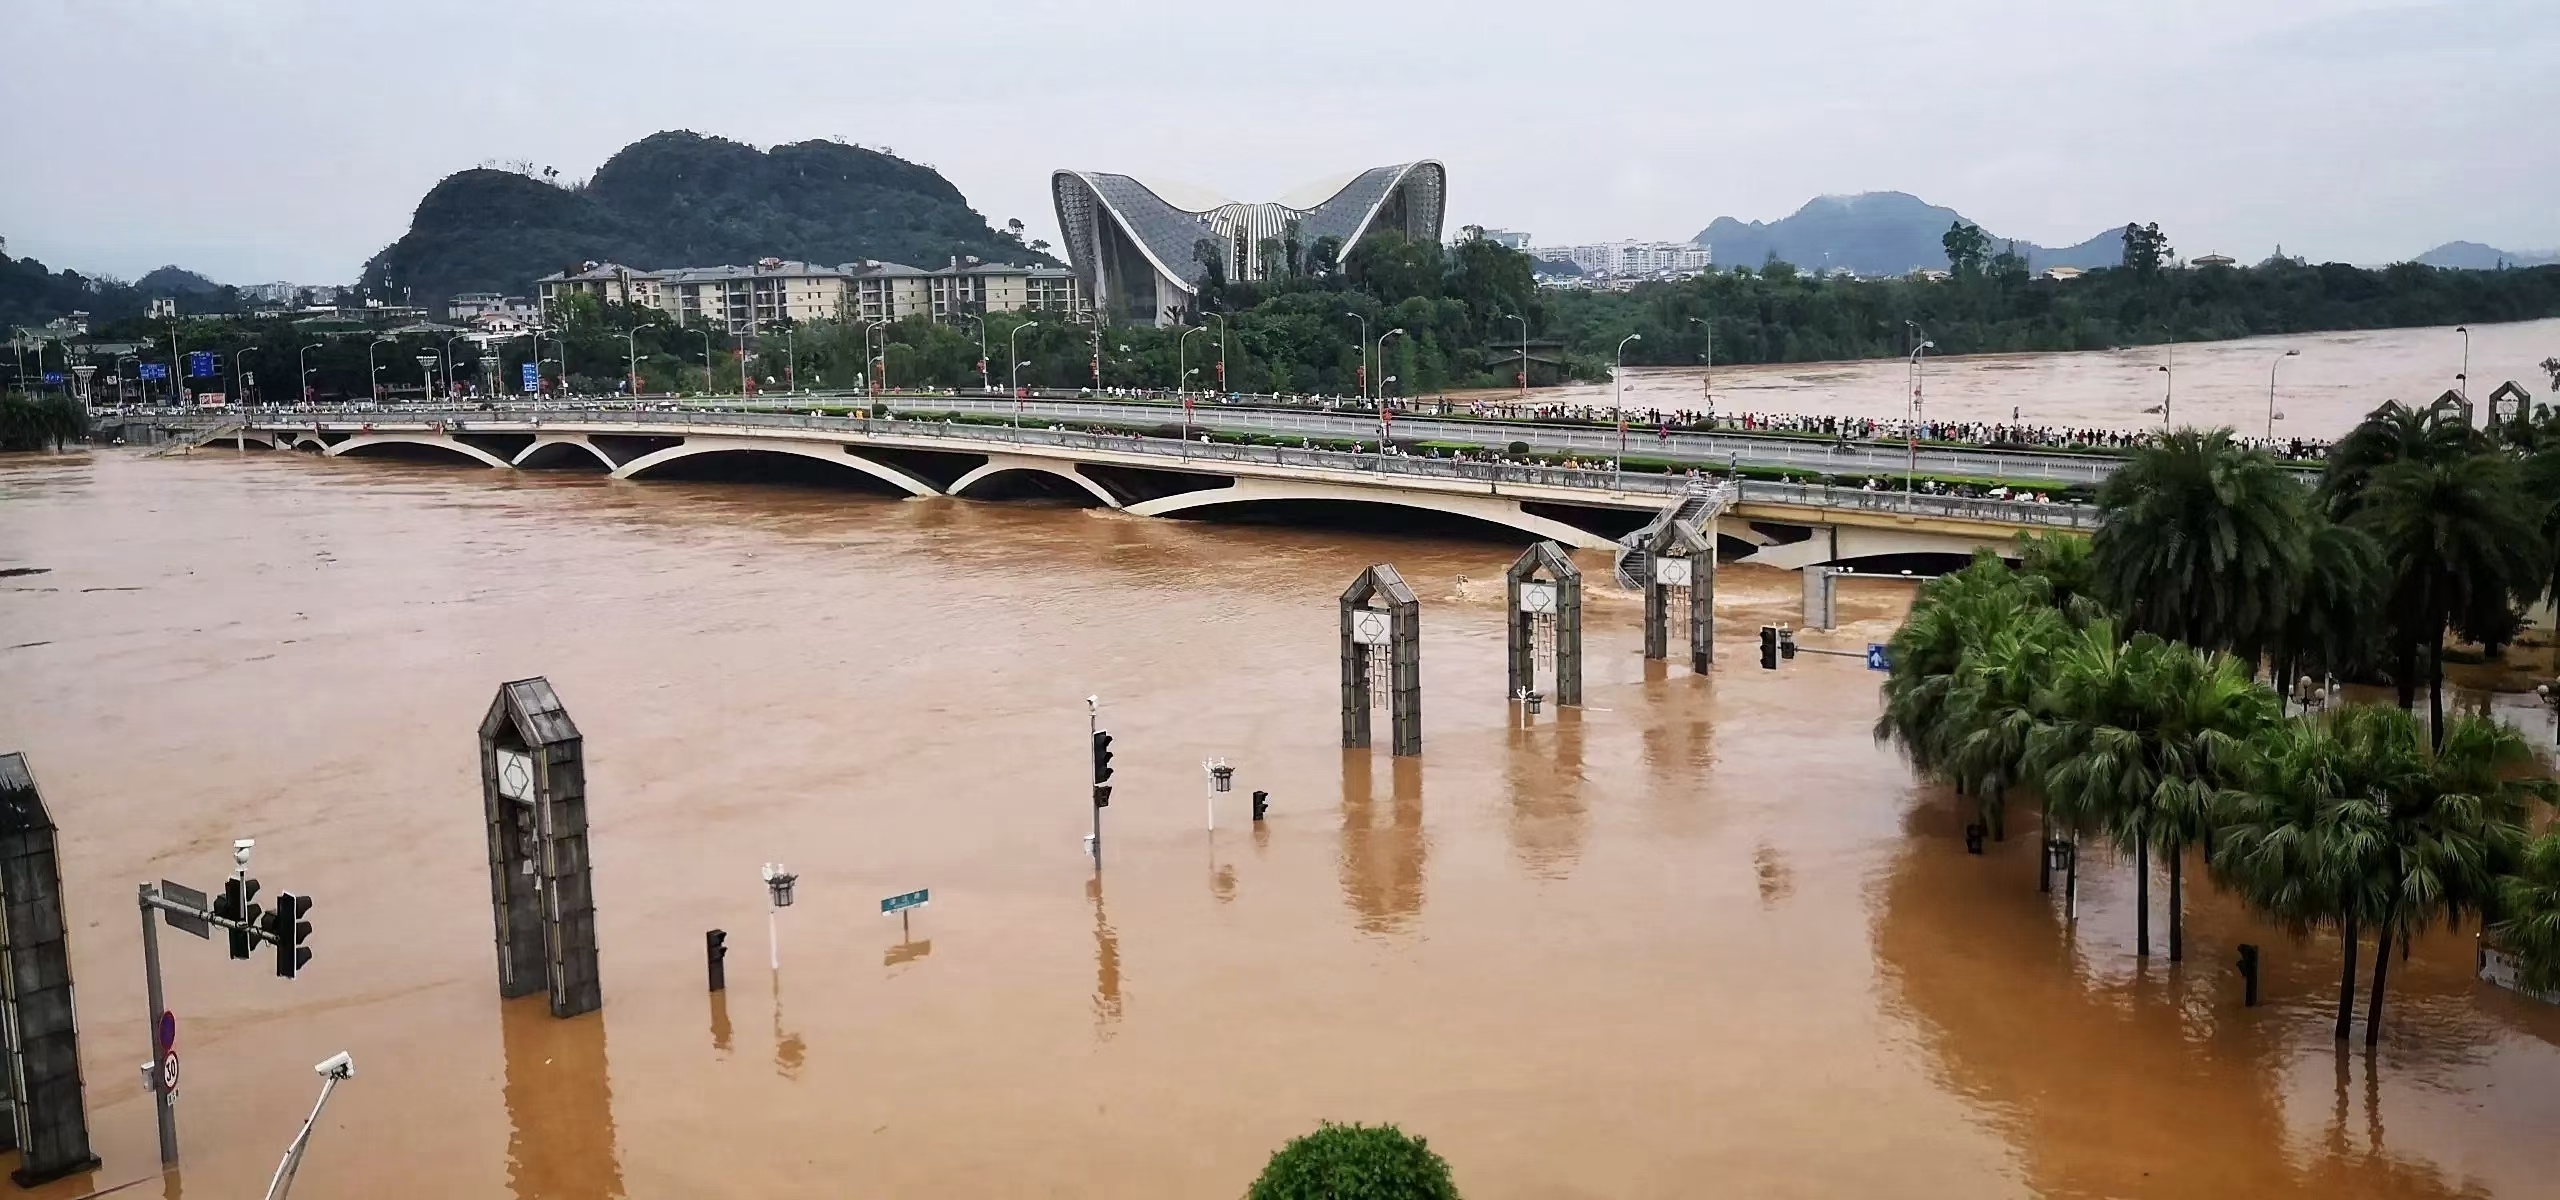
[(1632, 488)]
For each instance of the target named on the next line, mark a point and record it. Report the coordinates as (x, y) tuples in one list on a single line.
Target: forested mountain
[(32, 294), (682, 199), (2472, 256), (1877, 233)]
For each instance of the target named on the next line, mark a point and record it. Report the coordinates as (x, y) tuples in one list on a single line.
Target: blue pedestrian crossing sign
[(1876, 660), (900, 903)]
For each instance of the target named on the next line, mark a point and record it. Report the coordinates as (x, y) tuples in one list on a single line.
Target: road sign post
[(905, 903)]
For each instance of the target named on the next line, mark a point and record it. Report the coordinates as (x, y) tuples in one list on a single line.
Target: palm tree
[(1945, 623), (2457, 540), (2336, 626), (2202, 542), (2453, 822), (1993, 708), (2299, 836), (2142, 736), (2392, 434), (2529, 913), (2062, 567)]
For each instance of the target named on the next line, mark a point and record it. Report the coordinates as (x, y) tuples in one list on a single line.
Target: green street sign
[(900, 903)]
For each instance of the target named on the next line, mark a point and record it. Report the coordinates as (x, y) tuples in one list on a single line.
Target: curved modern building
[(1138, 248)]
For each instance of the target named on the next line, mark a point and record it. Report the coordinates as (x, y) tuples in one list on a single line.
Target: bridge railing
[(1649, 487)]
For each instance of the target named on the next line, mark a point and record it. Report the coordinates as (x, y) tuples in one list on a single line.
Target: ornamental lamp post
[(1013, 350), (1618, 466), (2272, 415)]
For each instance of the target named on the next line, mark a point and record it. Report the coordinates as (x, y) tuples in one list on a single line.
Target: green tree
[(2453, 822), (1968, 248), (1355, 1162), (2391, 434), (2143, 734), (2529, 913), (2456, 539), (2300, 836), (2203, 542), (2146, 250), (1946, 622)]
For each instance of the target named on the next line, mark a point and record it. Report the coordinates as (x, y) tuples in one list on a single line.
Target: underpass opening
[(418, 452), (1359, 516), (1923, 564), (1031, 484), (562, 456), (941, 468), (627, 448), (501, 446), (1610, 523), (772, 467), (1132, 485)]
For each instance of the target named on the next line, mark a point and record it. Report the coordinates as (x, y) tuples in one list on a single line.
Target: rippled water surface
[(1702, 937)]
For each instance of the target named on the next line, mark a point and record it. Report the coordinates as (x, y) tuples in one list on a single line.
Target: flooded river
[(2320, 392), (1701, 937)]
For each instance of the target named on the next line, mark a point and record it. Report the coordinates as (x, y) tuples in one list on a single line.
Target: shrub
[(1516, 449), (1355, 1162)]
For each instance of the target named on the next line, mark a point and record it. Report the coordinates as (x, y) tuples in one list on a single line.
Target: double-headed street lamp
[(302, 371), (448, 362), (631, 353), (1364, 353), (1618, 466), (1911, 427), (373, 372), (1013, 351), (2271, 390)]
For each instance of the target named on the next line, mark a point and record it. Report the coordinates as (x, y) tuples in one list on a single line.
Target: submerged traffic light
[(238, 903), (1768, 647), (1102, 768), (1261, 804), (289, 931)]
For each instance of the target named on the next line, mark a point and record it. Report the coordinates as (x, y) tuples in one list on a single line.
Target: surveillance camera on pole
[(333, 1070)]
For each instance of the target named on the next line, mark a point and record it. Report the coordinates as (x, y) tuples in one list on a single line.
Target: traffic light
[(288, 929), (1787, 642), (1261, 804), (238, 903), (1768, 647), (1102, 768)]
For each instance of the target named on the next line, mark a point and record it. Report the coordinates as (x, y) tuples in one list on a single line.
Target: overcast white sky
[(258, 140)]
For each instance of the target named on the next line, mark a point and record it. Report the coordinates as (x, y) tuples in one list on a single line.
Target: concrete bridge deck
[(1789, 525)]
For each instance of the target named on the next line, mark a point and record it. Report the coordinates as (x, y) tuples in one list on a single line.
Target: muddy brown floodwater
[(1703, 937)]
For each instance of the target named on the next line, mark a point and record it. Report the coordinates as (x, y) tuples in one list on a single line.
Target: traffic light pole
[(168, 1116), (1092, 728)]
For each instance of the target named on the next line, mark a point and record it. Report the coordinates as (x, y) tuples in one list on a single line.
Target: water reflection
[(789, 1051), (720, 1030), (1382, 853), (1106, 966), (905, 952), (1549, 819), (560, 1138), (2109, 1080)]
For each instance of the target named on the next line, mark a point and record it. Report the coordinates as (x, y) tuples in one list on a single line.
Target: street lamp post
[(1221, 319), (120, 392), (448, 362), (791, 358), (985, 384), (2271, 390), (2463, 380), (1182, 376), (1911, 428), (1524, 353), (1364, 353), (1618, 466), (1013, 353), (706, 360), (302, 370), (631, 354), (1710, 385), (1386, 426), (239, 389), (373, 373)]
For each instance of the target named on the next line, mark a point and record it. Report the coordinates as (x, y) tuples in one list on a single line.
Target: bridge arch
[(1497, 510), (1000, 464), (824, 452), (364, 441), (551, 448)]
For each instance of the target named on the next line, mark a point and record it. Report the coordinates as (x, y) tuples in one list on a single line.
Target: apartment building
[(774, 290), (1642, 258)]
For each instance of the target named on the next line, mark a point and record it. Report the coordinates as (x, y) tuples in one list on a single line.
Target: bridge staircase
[(189, 437), (1697, 507)]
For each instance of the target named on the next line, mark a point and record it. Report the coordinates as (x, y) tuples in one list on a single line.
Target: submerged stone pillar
[(1379, 611), (1681, 563), (1555, 600), (40, 1059), (533, 785)]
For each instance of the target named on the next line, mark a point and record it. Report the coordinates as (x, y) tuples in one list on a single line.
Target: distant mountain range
[(2472, 256), (1879, 233), (682, 199)]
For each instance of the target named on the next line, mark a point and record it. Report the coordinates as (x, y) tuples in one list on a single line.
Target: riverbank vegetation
[(2120, 681), (1774, 313), (41, 422)]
